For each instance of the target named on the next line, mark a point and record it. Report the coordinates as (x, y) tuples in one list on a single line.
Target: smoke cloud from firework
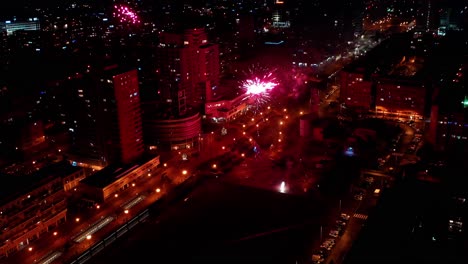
[(125, 14)]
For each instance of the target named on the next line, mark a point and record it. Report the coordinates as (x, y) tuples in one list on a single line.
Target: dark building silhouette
[(105, 117)]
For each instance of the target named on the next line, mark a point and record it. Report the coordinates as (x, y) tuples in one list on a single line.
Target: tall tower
[(127, 104), (188, 69), (105, 117)]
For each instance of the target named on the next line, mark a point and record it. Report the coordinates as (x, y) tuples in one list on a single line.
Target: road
[(221, 222)]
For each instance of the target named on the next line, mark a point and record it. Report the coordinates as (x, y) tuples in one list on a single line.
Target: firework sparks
[(126, 15), (258, 89), (258, 86)]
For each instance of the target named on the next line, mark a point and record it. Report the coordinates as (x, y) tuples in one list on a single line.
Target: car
[(333, 233), (340, 223), (358, 197), (345, 217), (316, 258), (340, 229)]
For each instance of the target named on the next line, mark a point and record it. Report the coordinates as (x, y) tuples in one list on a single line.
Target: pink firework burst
[(125, 14), (258, 86), (258, 90)]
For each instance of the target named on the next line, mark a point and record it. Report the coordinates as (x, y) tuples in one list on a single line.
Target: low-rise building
[(227, 109), (103, 184), (31, 205)]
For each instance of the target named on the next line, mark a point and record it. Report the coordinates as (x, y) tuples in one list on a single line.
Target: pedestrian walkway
[(360, 216)]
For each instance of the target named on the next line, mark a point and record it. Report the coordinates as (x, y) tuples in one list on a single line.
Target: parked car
[(345, 217)]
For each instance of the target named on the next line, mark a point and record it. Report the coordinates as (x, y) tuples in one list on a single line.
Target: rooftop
[(111, 173), (13, 186)]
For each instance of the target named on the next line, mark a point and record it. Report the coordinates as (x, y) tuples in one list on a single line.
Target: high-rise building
[(105, 117), (188, 69), (426, 14)]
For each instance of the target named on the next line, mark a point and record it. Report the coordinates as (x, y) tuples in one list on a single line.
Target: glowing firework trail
[(126, 15)]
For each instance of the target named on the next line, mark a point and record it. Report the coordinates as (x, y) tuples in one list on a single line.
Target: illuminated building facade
[(32, 24), (401, 98), (390, 83), (356, 89), (225, 110), (174, 133), (39, 207), (188, 69), (103, 184)]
